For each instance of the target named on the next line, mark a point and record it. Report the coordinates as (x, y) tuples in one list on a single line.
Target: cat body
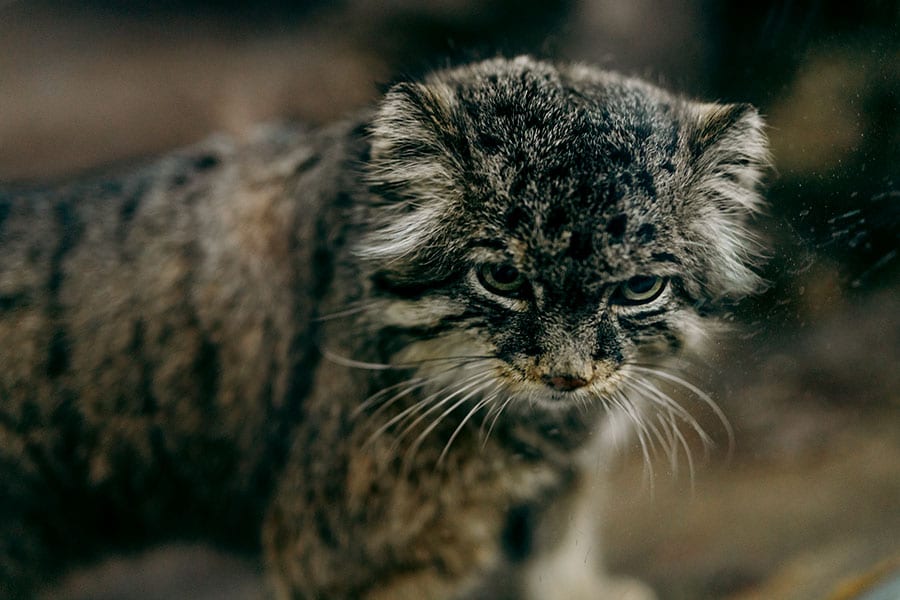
[(389, 345)]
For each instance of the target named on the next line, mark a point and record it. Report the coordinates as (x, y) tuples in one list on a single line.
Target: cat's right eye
[(502, 279)]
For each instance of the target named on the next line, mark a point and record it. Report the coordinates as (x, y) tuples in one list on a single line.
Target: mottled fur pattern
[(389, 345)]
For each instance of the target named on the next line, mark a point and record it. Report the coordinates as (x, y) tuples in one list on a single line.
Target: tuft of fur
[(379, 353)]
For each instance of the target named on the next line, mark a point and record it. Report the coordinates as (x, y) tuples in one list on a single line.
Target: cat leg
[(306, 562), (571, 567), (568, 558)]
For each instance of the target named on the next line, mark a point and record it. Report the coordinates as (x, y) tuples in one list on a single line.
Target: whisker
[(415, 407), (582, 404), (414, 447), (373, 366), (660, 397), (699, 394), (641, 425), (481, 404), (626, 406), (669, 425), (467, 384), (657, 437), (674, 411), (352, 310), (401, 417), (417, 382), (356, 364), (687, 454), (409, 411), (500, 410), (371, 400)]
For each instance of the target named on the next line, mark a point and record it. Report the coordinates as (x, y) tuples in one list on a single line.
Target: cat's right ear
[(411, 171)]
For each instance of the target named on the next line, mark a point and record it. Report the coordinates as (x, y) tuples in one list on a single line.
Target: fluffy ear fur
[(411, 170), (728, 155)]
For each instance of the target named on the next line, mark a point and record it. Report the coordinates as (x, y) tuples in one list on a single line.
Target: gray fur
[(294, 335)]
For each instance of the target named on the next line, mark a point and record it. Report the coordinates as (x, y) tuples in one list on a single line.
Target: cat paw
[(590, 588), (627, 589)]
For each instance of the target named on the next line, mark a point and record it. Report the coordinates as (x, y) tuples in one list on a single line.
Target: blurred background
[(808, 505)]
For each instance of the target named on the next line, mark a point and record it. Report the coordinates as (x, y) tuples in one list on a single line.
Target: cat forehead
[(559, 149), (554, 234), (578, 165), (614, 202), (538, 100)]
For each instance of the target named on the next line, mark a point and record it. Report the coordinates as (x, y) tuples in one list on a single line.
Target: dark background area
[(810, 499)]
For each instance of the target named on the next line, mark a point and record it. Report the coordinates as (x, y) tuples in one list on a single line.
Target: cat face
[(565, 223)]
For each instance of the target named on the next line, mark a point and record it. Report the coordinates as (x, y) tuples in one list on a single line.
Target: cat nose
[(565, 383)]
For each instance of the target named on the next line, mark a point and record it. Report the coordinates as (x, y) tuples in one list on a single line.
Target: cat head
[(563, 221)]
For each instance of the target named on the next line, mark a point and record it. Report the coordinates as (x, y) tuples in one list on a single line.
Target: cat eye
[(640, 289), (502, 279)]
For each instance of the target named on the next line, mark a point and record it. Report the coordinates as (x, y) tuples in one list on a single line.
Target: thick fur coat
[(375, 353)]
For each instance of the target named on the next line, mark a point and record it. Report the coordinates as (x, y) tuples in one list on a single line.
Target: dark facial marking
[(487, 243), (616, 226), (580, 246), (489, 142), (606, 190), (557, 219), (645, 181), (665, 257), (515, 216), (646, 233)]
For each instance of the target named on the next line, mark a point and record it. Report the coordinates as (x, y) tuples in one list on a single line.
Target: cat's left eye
[(640, 289), (502, 279)]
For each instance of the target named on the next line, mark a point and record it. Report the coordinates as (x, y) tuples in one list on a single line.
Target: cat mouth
[(565, 382)]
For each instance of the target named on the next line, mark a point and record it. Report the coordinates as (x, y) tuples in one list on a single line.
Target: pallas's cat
[(375, 353)]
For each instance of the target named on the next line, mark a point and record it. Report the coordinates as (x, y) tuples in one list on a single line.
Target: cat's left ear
[(729, 157)]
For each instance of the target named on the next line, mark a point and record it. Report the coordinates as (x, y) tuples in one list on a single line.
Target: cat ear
[(409, 136), (728, 142), (410, 169), (729, 156)]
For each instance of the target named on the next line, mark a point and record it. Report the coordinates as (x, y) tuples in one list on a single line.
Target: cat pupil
[(642, 284), (505, 274)]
